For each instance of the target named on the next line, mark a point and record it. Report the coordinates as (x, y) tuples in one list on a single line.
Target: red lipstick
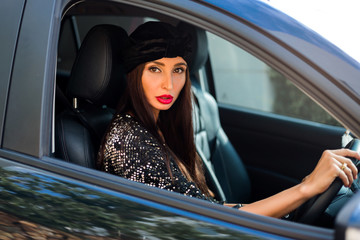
[(165, 99)]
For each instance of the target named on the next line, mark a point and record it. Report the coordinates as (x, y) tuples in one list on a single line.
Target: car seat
[(95, 85), (219, 155)]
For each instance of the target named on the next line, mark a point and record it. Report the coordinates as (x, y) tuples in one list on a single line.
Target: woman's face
[(162, 81)]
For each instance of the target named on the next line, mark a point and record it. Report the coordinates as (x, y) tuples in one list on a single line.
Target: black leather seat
[(219, 155), (96, 83)]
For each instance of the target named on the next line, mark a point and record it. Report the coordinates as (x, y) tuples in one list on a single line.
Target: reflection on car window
[(242, 80)]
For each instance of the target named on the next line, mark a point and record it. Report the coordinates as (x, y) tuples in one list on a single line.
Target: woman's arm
[(330, 166)]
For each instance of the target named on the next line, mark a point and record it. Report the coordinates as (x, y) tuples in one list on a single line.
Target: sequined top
[(132, 152)]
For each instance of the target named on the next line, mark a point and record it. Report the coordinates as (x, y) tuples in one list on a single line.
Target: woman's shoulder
[(127, 136), (124, 126)]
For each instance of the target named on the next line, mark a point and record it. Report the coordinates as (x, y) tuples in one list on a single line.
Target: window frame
[(11, 15)]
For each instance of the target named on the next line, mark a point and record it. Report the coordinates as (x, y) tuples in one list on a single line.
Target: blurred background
[(336, 20)]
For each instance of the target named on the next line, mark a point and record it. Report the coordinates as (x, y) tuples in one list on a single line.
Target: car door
[(41, 194)]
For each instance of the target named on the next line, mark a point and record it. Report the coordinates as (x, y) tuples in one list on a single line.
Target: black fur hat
[(156, 40)]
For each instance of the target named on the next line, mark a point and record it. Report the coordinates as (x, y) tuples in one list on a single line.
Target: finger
[(349, 163), (349, 175), (346, 152), (344, 178), (342, 155)]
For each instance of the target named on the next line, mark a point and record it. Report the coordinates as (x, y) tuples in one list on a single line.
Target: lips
[(165, 99)]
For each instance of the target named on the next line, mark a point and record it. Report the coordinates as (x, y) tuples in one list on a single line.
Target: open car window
[(239, 80)]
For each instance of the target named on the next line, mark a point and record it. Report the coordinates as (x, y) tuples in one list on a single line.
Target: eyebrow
[(181, 64), (177, 64)]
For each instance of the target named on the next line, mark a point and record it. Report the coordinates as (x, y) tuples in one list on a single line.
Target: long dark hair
[(175, 125)]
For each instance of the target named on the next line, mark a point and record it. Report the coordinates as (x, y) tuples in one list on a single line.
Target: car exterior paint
[(46, 195)]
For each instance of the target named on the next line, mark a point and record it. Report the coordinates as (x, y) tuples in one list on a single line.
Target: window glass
[(242, 80)]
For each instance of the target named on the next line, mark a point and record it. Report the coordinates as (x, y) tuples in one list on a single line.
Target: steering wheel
[(311, 210)]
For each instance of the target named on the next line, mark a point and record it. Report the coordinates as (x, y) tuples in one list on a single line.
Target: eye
[(179, 70), (154, 69)]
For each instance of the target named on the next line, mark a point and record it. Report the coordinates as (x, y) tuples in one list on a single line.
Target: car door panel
[(40, 203), (278, 151)]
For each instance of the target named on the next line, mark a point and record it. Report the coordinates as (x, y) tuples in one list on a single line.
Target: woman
[(150, 139)]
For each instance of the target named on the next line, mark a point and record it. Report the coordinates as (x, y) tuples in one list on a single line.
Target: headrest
[(97, 75), (199, 46)]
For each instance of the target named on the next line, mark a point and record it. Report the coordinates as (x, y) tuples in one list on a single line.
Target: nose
[(167, 82)]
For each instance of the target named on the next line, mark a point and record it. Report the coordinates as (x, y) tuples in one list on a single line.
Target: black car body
[(42, 196)]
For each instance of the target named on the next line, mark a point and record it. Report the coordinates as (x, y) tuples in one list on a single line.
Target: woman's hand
[(332, 164)]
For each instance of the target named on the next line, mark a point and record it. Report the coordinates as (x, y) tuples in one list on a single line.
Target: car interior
[(247, 154)]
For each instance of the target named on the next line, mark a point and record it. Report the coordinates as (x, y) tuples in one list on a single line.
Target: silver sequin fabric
[(134, 153)]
